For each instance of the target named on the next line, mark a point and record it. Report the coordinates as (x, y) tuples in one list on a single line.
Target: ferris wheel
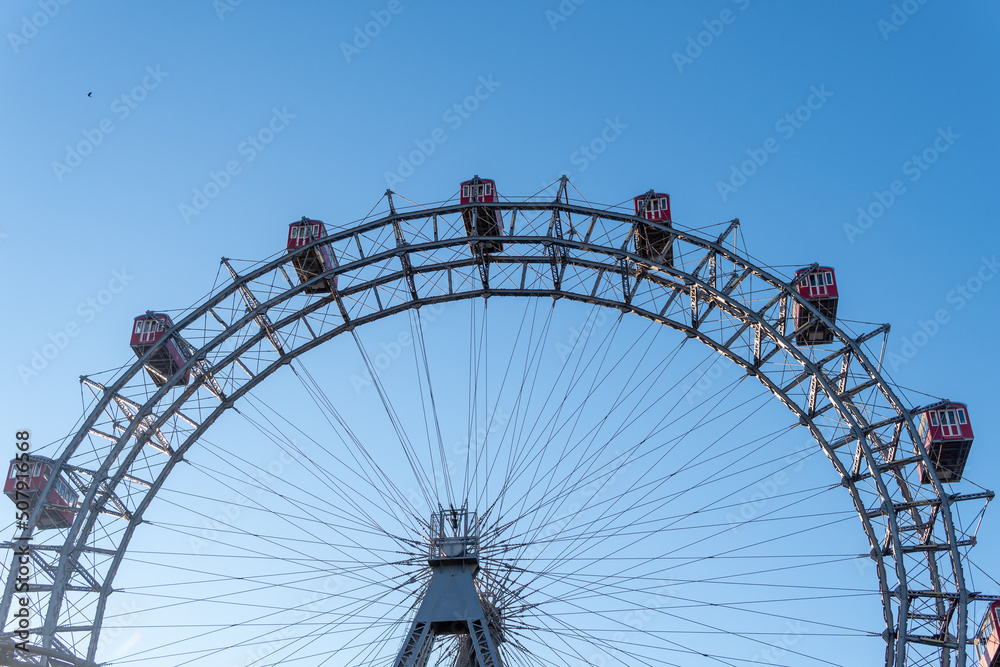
[(502, 432)]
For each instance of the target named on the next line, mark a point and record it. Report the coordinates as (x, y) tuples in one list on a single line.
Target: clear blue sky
[(211, 126)]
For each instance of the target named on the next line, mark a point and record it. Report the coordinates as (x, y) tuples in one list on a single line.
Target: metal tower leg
[(417, 646), (451, 604)]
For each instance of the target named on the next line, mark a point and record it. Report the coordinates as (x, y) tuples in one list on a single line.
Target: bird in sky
[(89, 94)]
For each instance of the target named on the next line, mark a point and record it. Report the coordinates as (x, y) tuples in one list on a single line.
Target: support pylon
[(451, 604)]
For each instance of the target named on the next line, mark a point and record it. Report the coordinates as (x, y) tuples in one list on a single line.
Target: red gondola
[(482, 221), (314, 262), (946, 434), (819, 287), (168, 359), (33, 476), (987, 640), (652, 242)]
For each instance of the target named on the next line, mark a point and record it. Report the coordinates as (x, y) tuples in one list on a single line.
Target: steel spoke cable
[(700, 484), (654, 371), (667, 554), (300, 505), (304, 505), (585, 588), (317, 471), (596, 534), (538, 457), (713, 478), (531, 444), (683, 491), (733, 549), (485, 353), (315, 635), (419, 473), (616, 592), (530, 357), (655, 482), (272, 610), (242, 605), (285, 610), (477, 360), (711, 627), (604, 513), (420, 355), (328, 408), (694, 652), (187, 494), (438, 477), (618, 646), (512, 450), (226, 577), (246, 552), (568, 447), (355, 574), (586, 583), (518, 421)]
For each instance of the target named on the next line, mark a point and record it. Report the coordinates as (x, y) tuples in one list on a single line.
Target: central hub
[(451, 603), (454, 537)]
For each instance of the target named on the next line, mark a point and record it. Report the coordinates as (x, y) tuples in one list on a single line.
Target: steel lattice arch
[(263, 318)]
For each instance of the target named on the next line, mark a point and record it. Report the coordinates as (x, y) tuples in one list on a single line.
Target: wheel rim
[(262, 320)]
